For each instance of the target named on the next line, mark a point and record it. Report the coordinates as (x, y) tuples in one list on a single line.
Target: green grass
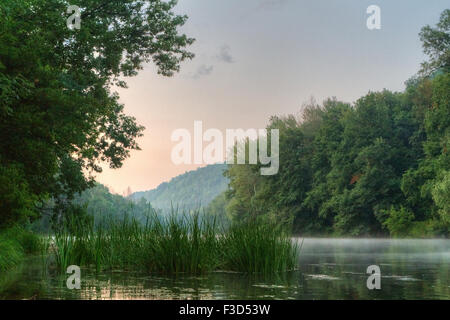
[(173, 244), (11, 254), (186, 244), (15, 243), (179, 243), (259, 247)]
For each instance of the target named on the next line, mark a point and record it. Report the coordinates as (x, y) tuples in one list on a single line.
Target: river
[(328, 269)]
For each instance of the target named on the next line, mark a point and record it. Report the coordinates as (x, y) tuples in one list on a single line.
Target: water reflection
[(329, 269)]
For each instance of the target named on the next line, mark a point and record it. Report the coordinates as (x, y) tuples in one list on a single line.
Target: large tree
[(436, 44), (59, 116)]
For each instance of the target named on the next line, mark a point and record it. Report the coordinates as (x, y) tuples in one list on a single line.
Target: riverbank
[(15, 244)]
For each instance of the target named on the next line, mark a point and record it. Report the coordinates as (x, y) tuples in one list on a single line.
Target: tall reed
[(186, 243), (177, 243), (259, 247)]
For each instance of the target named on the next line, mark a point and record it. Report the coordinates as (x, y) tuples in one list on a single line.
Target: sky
[(259, 58)]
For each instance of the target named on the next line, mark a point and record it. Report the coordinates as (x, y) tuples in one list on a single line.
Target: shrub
[(399, 221)]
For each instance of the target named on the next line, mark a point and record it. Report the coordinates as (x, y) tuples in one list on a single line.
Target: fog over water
[(328, 269)]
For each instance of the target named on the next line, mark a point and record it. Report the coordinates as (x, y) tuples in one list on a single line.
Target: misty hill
[(100, 202), (191, 190)]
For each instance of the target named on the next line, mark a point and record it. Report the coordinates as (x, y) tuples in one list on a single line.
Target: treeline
[(189, 191), (96, 205), (379, 166)]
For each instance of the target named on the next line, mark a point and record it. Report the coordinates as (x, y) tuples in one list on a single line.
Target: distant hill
[(191, 190), (101, 204)]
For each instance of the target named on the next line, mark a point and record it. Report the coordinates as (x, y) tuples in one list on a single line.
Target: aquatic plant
[(191, 243), (259, 247), (186, 243)]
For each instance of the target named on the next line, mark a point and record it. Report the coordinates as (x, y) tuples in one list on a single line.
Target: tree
[(59, 116), (436, 44), (379, 166), (441, 195)]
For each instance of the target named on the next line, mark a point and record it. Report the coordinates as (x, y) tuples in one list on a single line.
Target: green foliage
[(217, 208), (379, 165), (16, 199), (427, 229), (338, 176), (30, 242), (399, 221), (71, 216), (173, 244), (425, 187), (102, 205), (11, 254), (208, 182), (59, 117), (441, 196), (259, 247), (436, 44), (251, 195), (15, 243), (188, 244)]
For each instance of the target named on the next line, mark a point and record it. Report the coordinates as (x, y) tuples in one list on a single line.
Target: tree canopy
[(379, 166), (59, 115)]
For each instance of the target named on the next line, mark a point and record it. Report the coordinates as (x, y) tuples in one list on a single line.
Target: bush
[(11, 254), (399, 221), (16, 202), (441, 196), (29, 242), (15, 242)]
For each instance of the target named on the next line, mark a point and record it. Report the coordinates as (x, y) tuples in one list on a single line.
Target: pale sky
[(257, 58)]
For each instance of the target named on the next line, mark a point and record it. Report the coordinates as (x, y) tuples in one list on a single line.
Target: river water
[(329, 269)]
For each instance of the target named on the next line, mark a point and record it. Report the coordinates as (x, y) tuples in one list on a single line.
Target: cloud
[(203, 70), (225, 55)]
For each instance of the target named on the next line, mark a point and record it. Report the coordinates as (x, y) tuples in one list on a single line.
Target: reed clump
[(259, 247), (177, 243)]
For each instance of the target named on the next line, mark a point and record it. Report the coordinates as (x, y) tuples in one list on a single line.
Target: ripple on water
[(269, 286), (322, 277), (401, 278)]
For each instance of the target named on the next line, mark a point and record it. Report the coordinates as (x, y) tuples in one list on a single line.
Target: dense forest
[(380, 166), (376, 167), (96, 204), (352, 176), (191, 190)]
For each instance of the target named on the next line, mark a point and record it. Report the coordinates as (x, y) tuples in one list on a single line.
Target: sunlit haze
[(260, 58)]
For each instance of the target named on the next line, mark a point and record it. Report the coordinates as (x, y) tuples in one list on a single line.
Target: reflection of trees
[(427, 261)]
